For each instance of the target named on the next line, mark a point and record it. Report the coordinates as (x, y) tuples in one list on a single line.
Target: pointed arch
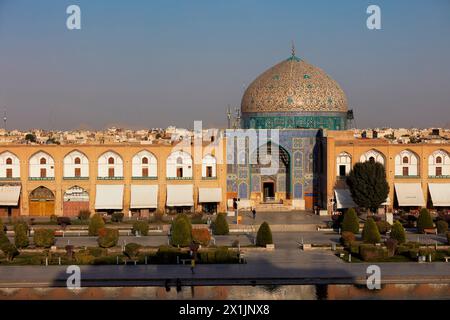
[(9, 165), (144, 165)]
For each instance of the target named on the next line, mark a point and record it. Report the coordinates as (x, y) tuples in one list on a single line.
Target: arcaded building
[(418, 173), (41, 180)]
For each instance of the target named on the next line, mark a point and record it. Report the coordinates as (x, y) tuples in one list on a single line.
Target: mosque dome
[(294, 88)]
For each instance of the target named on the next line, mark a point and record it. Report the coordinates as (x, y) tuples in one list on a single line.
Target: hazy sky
[(153, 63)]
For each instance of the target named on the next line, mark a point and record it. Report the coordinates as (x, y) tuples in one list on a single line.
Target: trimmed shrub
[(84, 214), (398, 232), (141, 227), (442, 226), (424, 221), (10, 251), (220, 226), (166, 254), (413, 253), (264, 235), (132, 250), (117, 217), (391, 245), (63, 221), (201, 236), (347, 238), (83, 257), (3, 239), (95, 224), (350, 222), (370, 232), (197, 218), (53, 218), (221, 255), (448, 237), (383, 226), (97, 252), (426, 252), (44, 238), (21, 236), (107, 237), (371, 252), (181, 232), (2, 226)]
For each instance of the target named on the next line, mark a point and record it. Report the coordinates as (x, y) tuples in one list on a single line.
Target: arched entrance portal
[(75, 199), (42, 202), (275, 180)]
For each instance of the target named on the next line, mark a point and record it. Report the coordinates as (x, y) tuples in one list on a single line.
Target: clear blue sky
[(157, 63)]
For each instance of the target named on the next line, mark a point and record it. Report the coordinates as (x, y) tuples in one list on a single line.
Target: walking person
[(192, 265), (254, 213)]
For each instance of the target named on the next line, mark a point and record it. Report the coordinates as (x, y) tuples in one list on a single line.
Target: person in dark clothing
[(254, 213)]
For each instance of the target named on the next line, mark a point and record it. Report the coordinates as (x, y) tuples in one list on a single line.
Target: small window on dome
[(276, 77), (290, 100), (306, 76)]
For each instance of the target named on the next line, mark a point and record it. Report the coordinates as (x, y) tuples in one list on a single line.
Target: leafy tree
[(44, 238), (21, 236), (140, 227), (351, 221), (107, 237), (132, 250), (95, 224), (30, 137), (264, 235), (220, 226), (370, 232), (424, 221), (442, 226), (181, 232), (368, 185), (398, 232)]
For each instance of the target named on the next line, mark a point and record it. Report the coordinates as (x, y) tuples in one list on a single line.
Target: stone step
[(273, 207)]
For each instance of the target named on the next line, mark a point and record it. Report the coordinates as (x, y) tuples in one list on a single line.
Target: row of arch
[(406, 163), (110, 165)]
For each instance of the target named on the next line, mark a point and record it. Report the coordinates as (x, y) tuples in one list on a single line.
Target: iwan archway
[(42, 202)]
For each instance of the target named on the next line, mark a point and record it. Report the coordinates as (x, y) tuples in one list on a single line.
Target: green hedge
[(372, 252)]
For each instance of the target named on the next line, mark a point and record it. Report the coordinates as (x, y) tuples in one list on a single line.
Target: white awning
[(144, 196), (180, 195), (109, 196), (9, 195), (344, 199), (209, 195), (440, 194), (409, 194)]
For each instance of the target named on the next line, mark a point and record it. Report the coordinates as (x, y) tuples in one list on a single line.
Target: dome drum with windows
[(294, 94)]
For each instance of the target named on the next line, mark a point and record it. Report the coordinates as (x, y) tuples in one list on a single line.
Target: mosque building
[(300, 100)]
